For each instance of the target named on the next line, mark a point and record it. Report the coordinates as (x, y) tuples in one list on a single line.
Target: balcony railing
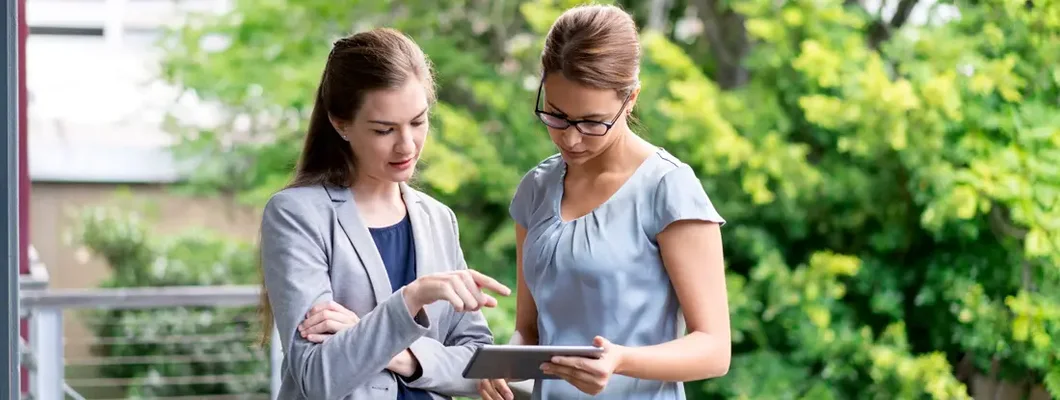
[(149, 342), (171, 342)]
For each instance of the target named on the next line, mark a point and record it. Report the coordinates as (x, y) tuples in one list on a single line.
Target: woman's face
[(570, 100), (388, 132)]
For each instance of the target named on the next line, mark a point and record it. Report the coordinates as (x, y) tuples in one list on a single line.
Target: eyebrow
[(588, 116), (374, 121)]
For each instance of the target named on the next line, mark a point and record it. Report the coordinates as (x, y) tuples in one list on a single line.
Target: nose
[(571, 137), (406, 144)]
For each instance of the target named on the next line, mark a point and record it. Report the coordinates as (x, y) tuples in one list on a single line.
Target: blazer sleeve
[(442, 364), (295, 265)]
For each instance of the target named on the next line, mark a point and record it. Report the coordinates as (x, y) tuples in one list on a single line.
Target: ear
[(339, 125), (633, 96)]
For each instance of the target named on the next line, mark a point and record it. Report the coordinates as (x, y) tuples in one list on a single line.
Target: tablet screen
[(520, 362)]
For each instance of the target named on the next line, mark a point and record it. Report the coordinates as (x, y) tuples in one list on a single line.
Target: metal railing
[(157, 342), (126, 348)]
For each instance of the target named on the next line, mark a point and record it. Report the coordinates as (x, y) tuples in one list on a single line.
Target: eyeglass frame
[(538, 111)]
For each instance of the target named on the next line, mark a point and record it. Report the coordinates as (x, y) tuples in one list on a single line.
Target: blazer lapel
[(357, 233), (421, 231)]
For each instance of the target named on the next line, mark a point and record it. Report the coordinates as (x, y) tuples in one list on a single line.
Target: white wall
[(95, 105)]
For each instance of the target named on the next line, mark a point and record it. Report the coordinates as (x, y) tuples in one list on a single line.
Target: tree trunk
[(658, 15), (986, 387), (729, 44), (882, 30)]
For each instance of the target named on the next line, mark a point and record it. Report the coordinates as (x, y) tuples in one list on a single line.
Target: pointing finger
[(490, 283)]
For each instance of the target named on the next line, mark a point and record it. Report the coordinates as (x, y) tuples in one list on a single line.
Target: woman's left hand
[(587, 374), (326, 319)]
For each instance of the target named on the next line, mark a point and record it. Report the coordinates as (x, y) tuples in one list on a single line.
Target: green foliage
[(893, 192), (175, 346)]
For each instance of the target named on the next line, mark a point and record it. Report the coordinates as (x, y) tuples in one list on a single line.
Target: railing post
[(275, 362), (46, 333)]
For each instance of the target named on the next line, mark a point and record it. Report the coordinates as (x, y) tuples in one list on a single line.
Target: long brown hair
[(367, 61), (596, 46)]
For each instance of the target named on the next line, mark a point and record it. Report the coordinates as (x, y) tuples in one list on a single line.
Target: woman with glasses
[(618, 245)]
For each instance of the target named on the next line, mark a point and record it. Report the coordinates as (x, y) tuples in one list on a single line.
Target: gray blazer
[(315, 248)]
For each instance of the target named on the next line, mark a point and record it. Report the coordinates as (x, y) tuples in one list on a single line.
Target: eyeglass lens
[(586, 127)]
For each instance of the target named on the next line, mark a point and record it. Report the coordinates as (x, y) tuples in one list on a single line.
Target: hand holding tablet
[(519, 362)]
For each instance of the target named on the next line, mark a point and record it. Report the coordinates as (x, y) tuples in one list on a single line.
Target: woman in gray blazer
[(363, 275)]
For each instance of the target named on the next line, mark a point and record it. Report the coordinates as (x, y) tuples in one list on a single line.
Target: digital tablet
[(520, 362)]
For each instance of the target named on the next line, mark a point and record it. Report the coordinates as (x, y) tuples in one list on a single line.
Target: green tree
[(893, 190)]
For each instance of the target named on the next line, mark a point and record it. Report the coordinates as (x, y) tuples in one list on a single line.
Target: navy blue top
[(398, 251)]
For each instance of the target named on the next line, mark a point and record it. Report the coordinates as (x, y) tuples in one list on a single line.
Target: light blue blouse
[(602, 274)]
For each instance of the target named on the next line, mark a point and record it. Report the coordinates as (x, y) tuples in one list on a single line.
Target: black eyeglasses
[(586, 127)]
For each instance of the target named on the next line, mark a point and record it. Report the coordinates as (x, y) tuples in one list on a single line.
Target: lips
[(403, 164), (575, 154)]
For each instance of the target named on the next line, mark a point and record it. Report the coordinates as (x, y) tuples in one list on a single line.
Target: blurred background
[(889, 170)]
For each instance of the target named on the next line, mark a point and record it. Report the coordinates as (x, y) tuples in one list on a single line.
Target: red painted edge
[(23, 167)]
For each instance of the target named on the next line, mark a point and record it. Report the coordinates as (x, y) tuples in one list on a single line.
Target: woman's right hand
[(495, 389), (462, 289)]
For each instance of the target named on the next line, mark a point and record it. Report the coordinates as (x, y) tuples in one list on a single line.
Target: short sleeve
[(522, 205), (680, 196)]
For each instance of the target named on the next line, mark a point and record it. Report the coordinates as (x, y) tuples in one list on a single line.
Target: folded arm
[(296, 277), (441, 364)]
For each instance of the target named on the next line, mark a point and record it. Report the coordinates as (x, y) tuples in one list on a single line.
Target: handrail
[(142, 297), (45, 308), (37, 279)]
